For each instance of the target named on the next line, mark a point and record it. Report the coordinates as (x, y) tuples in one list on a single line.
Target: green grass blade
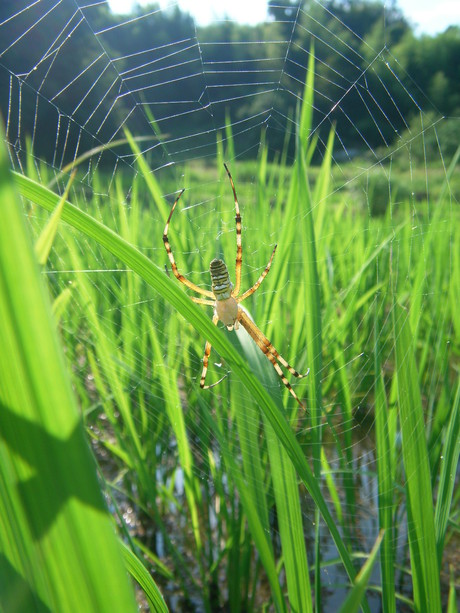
[(46, 238), (419, 498), (352, 602), (255, 521), (248, 422), (285, 488), (313, 306), (331, 486), (61, 303), (168, 378), (138, 572), (452, 600), (385, 483), (289, 516), (148, 176), (56, 536), (313, 333), (306, 111), (450, 455)]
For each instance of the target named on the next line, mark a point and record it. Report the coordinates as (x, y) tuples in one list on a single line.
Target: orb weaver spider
[(225, 300)]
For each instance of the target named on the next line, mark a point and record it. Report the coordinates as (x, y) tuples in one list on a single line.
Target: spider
[(225, 300)]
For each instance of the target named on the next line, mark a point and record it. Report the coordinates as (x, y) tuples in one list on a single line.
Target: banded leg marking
[(180, 277), (207, 353), (239, 247), (250, 291), (268, 349)]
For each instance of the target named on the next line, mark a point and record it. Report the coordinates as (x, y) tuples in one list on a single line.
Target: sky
[(427, 16)]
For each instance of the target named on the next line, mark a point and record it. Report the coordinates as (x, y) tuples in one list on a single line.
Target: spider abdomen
[(220, 280)]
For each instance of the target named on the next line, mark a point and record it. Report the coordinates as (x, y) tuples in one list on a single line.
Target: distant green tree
[(434, 62)]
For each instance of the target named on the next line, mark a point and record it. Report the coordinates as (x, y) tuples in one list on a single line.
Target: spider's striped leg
[(203, 301), (267, 348), (177, 274), (207, 353), (260, 279), (243, 317), (239, 248)]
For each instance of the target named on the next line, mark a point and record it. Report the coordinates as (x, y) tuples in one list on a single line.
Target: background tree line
[(346, 36)]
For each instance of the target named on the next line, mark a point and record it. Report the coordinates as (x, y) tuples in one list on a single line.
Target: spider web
[(183, 96)]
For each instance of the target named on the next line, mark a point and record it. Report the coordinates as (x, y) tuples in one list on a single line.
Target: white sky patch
[(427, 16), (431, 17)]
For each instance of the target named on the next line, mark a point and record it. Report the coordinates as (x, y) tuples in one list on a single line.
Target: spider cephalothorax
[(225, 299)]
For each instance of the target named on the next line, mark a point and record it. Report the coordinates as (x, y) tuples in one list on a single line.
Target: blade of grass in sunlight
[(291, 210), (57, 538), (385, 483), (450, 454), (452, 600), (46, 238), (112, 371), (255, 522), (168, 376), (290, 524), (352, 602), (138, 571), (313, 332), (61, 303), (419, 498), (285, 487)]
